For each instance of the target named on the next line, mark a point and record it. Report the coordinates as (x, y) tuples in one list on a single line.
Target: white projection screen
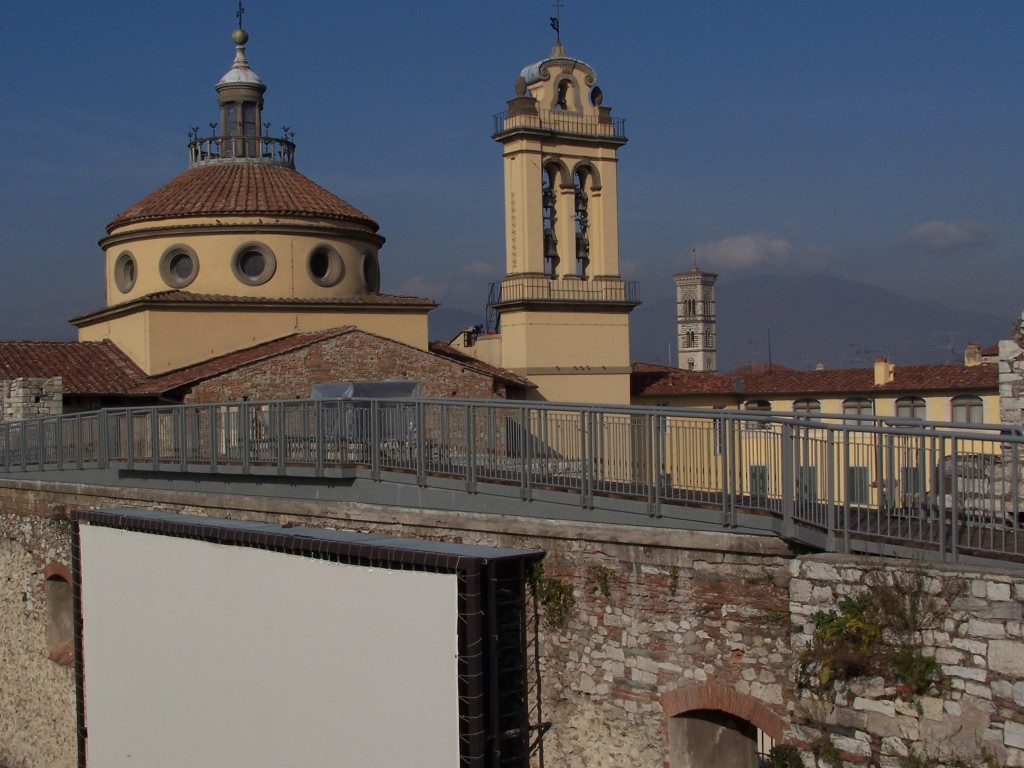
[(196, 653)]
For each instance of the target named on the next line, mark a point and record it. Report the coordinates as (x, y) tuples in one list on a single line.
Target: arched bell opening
[(550, 203)]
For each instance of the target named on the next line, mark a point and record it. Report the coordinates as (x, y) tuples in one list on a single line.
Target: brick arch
[(57, 570), (697, 696)]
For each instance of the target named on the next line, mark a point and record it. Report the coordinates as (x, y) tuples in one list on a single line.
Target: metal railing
[(542, 288), (561, 122), (947, 491), (263, 149)]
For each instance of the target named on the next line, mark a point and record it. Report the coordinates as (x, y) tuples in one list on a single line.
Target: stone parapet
[(27, 398)]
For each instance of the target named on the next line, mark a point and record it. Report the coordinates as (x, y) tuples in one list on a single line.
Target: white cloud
[(946, 236), (745, 252), (485, 269), (416, 285)]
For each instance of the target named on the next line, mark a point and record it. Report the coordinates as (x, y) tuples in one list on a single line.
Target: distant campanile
[(695, 317)]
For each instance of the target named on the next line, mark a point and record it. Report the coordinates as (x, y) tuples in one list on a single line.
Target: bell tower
[(695, 312), (562, 310)]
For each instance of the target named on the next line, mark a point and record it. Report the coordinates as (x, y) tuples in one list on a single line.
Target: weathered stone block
[(1006, 657)]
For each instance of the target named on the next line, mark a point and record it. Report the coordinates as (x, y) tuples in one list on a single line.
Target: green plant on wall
[(785, 756), (553, 594), (879, 631), (602, 577)]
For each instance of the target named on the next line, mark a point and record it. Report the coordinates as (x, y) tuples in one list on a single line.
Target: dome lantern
[(241, 136)]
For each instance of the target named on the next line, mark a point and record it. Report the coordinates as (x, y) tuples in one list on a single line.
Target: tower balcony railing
[(260, 149), (544, 288), (561, 122)]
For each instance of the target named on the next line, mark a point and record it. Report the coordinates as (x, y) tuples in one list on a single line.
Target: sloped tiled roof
[(193, 374), (509, 377), (653, 380), (88, 368), (241, 188)]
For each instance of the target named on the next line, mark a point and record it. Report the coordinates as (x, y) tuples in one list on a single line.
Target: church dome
[(241, 189)]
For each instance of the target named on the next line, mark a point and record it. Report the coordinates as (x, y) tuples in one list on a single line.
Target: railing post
[(154, 438), (182, 436), (245, 436), (786, 448), (212, 436), (282, 440), (470, 449), (587, 457), (654, 440), (525, 464), (830, 492), (129, 428), (59, 439), (374, 440), (103, 435), (728, 466), (846, 495), (319, 436), (40, 451), (6, 429), (79, 441), (421, 470), (954, 492)]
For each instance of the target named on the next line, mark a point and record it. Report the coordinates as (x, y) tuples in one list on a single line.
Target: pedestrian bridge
[(937, 491)]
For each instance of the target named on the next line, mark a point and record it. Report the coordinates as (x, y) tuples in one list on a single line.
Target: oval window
[(179, 266), (325, 266), (254, 263), (125, 272)]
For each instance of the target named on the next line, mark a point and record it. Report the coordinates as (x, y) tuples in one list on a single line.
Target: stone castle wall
[(660, 624), (978, 642), (1011, 375), (27, 398)]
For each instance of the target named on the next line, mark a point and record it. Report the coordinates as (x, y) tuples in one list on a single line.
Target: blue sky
[(875, 141)]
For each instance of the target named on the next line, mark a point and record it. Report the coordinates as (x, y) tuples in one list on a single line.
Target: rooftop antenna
[(239, 13), (695, 259), (556, 20)]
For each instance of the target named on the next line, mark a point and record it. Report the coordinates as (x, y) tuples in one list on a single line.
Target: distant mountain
[(819, 319)]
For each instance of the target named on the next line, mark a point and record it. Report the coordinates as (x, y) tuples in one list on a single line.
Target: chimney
[(884, 371), (972, 355)]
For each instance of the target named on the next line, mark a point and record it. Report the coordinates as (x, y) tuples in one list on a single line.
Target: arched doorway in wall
[(713, 725)]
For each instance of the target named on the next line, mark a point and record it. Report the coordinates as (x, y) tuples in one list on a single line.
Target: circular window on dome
[(179, 266), (325, 266), (254, 264), (125, 272), (371, 272)]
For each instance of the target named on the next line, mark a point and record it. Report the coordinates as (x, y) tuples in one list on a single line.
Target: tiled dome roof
[(246, 188)]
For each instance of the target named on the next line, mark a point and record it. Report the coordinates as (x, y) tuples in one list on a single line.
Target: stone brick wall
[(979, 645), (660, 624), (37, 695), (28, 398), (355, 356), (1011, 376)]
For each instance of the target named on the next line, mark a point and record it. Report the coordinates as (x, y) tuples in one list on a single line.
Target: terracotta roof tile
[(241, 188), (194, 374), (652, 379), (446, 350), (88, 368), (648, 379), (199, 372)]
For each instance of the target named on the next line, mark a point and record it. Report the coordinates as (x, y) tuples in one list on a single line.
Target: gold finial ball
[(240, 36)]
